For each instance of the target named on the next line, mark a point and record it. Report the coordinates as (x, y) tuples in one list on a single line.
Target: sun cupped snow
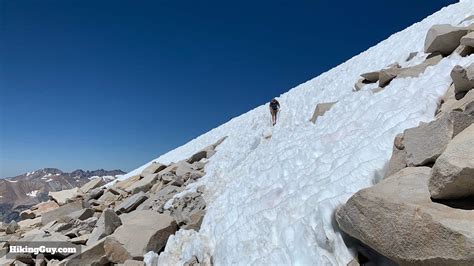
[(271, 192)]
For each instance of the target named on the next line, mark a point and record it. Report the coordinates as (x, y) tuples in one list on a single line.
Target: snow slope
[(271, 201)]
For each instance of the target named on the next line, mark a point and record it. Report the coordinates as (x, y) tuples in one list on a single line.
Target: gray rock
[(450, 103), (158, 200), (469, 109), (463, 79), (468, 39), (453, 173), (398, 161), (444, 38), (397, 218), (12, 227), (94, 183), (388, 74), (91, 255), (115, 251), (197, 156), (80, 240), (417, 70), (27, 214), (320, 110), (106, 225), (189, 210), (153, 168), (464, 50), (144, 231), (131, 203), (64, 196), (143, 184), (60, 212), (425, 143), (371, 76), (29, 223), (108, 198)]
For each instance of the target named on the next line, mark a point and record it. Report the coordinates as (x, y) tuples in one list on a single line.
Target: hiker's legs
[(274, 117)]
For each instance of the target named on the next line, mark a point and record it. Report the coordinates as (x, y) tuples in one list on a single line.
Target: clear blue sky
[(113, 84)]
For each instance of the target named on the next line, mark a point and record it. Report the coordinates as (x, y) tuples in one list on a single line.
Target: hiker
[(274, 107)]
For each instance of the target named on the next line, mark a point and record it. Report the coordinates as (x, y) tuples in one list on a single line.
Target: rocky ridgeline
[(114, 224), (422, 213)]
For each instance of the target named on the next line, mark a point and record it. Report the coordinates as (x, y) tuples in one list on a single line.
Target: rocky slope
[(23, 191), (422, 213), (117, 222)]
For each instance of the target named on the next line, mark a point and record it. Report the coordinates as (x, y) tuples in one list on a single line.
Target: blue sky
[(114, 84)]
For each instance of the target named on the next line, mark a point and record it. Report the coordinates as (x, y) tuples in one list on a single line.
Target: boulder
[(415, 71), (94, 194), (444, 38), (12, 227), (27, 214), (153, 168), (82, 214), (143, 184), (469, 108), (183, 168), (91, 255), (425, 143), (144, 231), (464, 50), (106, 225), (371, 77), (198, 156), (80, 240), (124, 184), (115, 251), (158, 200), (398, 161), (131, 203), (108, 198), (463, 79), (64, 196), (43, 207), (388, 74), (94, 183), (61, 211), (320, 110), (29, 223), (450, 103), (468, 39), (453, 173), (189, 210), (397, 218)]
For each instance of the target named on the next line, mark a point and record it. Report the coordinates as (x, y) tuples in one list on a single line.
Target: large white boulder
[(444, 38), (398, 219), (453, 173)]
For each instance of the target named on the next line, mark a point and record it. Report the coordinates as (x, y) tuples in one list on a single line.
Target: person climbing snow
[(274, 107)]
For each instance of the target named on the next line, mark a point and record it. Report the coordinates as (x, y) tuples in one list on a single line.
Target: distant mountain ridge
[(20, 192)]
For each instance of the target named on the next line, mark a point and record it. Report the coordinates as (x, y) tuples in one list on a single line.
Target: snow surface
[(32, 193), (272, 201)]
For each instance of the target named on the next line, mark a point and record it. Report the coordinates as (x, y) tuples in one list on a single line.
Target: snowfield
[(272, 201)]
